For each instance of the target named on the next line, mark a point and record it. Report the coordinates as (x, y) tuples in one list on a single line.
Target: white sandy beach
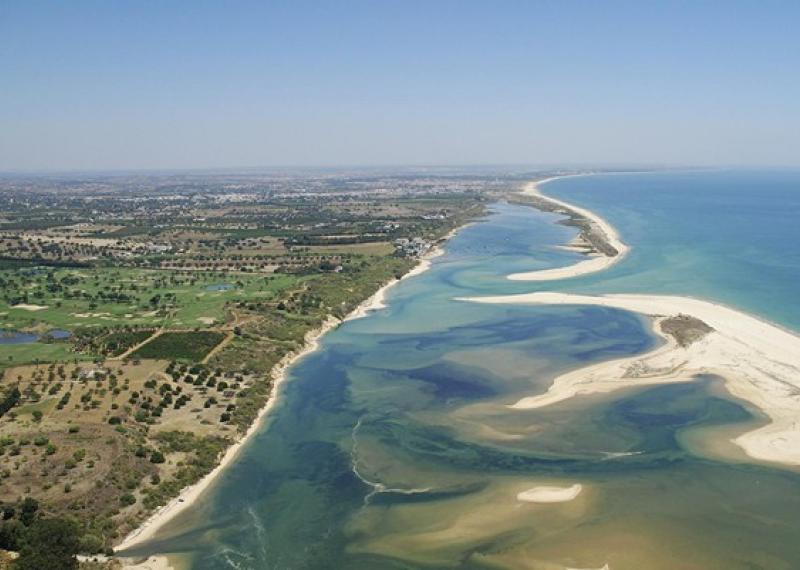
[(158, 519), (759, 361), (550, 494), (150, 563), (594, 262), (378, 300)]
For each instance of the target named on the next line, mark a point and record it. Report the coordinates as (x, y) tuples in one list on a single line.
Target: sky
[(106, 85)]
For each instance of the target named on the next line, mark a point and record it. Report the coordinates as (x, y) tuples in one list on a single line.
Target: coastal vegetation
[(136, 350)]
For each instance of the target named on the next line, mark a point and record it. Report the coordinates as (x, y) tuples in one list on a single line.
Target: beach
[(595, 234), (758, 360), (377, 300), (149, 528)]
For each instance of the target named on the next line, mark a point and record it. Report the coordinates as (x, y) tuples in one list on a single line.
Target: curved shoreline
[(598, 260), (758, 360), (189, 494), (279, 373)]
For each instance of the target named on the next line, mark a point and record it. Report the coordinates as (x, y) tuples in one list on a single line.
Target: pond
[(19, 337)]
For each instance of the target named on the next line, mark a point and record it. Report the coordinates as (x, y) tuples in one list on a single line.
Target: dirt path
[(222, 344), (136, 347)]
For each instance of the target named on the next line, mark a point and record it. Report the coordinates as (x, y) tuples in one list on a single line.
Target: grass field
[(108, 299), (100, 297), (11, 355)]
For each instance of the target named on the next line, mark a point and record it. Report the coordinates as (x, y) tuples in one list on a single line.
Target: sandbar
[(550, 494), (758, 360), (607, 250)]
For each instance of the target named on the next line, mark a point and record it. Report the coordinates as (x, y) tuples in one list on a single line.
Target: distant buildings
[(416, 247)]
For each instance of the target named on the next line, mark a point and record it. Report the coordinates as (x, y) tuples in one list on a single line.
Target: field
[(188, 346), (84, 435), (94, 302), (104, 297)]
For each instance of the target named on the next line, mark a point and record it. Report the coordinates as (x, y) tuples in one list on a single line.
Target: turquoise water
[(392, 446), (730, 236)]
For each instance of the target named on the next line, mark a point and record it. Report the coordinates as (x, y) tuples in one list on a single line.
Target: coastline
[(599, 258), (757, 360), (377, 300), (186, 497), (279, 373)]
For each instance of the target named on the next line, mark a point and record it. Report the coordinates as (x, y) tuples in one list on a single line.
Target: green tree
[(50, 543), (28, 510), (11, 531)]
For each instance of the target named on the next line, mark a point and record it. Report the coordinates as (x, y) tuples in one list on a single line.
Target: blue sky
[(195, 84)]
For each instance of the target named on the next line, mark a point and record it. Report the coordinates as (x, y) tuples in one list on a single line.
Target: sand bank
[(597, 261), (550, 494), (759, 361), (158, 519)]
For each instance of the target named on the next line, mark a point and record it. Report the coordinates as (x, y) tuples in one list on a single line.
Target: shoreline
[(159, 518), (759, 361), (598, 260), (186, 497), (377, 300)]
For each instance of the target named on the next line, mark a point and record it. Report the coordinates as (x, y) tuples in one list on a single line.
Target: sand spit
[(606, 245), (759, 361), (550, 494), (158, 519)]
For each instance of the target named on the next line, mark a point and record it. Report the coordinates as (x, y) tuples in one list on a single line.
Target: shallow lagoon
[(393, 448)]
